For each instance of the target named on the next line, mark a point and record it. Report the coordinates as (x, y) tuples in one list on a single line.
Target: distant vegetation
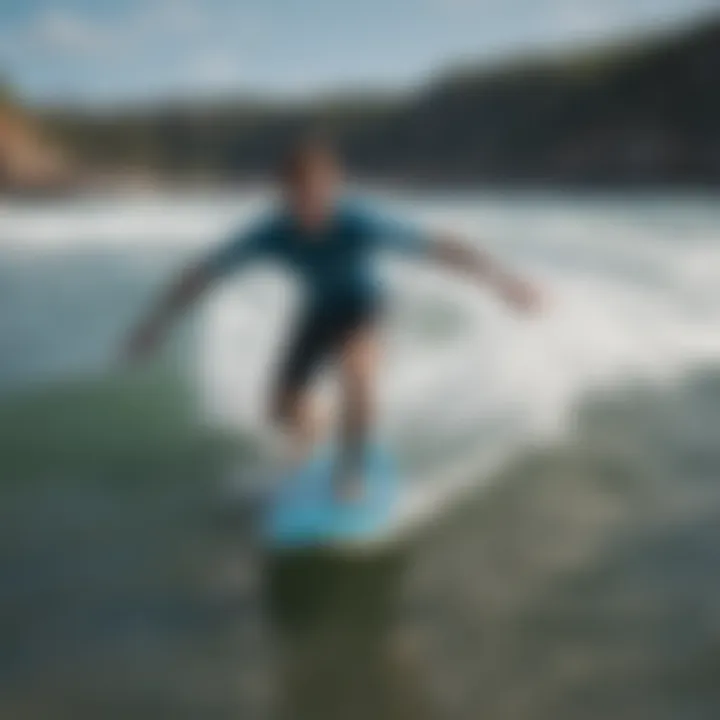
[(641, 113)]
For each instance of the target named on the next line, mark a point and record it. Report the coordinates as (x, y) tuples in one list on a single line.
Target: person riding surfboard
[(329, 240)]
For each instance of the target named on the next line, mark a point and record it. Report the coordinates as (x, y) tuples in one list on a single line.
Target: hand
[(521, 295), (142, 343)]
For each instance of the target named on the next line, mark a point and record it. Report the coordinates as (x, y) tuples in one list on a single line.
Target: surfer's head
[(311, 174)]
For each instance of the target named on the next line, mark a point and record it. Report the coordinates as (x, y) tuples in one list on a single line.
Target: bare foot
[(349, 487)]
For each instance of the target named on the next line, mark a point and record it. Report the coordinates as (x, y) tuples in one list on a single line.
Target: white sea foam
[(633, 294), (621, 306)]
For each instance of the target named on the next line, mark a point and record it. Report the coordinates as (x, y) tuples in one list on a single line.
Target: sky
[(99, 52)]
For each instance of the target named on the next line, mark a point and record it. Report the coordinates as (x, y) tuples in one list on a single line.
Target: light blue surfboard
[(304, 511)]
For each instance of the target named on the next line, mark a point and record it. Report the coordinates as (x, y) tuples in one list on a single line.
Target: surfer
[(329, 241)]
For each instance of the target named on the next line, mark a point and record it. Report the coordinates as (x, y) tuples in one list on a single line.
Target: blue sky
[(108, 51)]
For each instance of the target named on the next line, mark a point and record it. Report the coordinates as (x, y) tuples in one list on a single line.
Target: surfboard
[(304, 511)]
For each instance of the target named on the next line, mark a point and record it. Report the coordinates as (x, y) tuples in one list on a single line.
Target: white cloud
[(576, 18), (172, 46), (215, 71), (178, 16), (61, 32), (53, 33)]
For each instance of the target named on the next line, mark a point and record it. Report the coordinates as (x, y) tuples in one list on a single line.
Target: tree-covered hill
[(637, 113)]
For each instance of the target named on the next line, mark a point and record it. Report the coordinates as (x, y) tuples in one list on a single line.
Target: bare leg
[(358, 362), (298, 414)]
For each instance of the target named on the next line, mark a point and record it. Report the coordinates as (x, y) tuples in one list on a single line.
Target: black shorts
[(319, 334)]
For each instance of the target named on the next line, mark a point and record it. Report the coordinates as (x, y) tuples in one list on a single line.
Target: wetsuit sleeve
[(395, 234), (239, 250)]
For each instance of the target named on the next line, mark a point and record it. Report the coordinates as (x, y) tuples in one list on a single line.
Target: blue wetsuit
[(336, 266)]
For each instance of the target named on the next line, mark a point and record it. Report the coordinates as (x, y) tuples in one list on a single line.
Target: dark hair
[(304, 152)]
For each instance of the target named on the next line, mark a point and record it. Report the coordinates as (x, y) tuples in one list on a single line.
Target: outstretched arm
[(459, 256), (182, 293), (190, 284), (455, 254)]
